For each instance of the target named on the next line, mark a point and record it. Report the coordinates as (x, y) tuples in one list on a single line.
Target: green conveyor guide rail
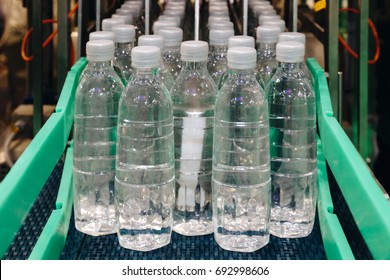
[(21, 187)]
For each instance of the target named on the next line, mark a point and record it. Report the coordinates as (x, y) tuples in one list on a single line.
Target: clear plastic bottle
[(95, 123), (267, 37), (297, 37), (241, 158), (292, 114), (173, 37), (217, 61), (124, 37), (158, 41), (193, 99), (144, 180)]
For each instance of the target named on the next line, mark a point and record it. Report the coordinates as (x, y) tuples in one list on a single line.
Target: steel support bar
[(363, 143), (36, 65), (63, 43), (332, 65), (82, 21)]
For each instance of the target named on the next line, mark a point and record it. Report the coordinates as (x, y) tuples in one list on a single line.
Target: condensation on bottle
[(95, 123), (292, 114)]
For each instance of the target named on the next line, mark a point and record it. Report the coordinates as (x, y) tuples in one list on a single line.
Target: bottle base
[(244, 244), (290, 230), (94, 228), (193, 228), (144, 242)]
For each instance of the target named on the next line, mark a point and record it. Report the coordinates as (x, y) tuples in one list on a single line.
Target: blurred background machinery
[(41, 39)]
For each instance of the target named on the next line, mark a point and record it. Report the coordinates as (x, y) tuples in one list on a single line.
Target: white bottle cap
[(145, 57), (100, 50), (128, 19), (292, 36), (241, 57), (174, 12), (266, 9), (213, 19), (218, 11), (108, 23), (241, 41), (290, 51), (102, 35), (264, 18), (221, 25), (152, 40), (267, 34), (194, 51), (170, 18), (220, 37), (173, 36), (124, 33), (127, 11), (279, 23), (157, 25)]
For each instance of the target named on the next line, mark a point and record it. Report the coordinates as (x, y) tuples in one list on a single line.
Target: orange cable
[(374, 32), (49, 39)]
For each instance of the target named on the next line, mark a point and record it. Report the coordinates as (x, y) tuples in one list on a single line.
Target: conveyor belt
[(81, 246), (35, 221)]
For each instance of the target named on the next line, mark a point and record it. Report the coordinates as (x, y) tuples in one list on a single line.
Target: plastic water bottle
[(95, 123), (301, 38), (217, 61), (144, 180), (193, 99), (241, 158), (267, 37), (124, 37), (173, 37), (158, 41), (292, 113)]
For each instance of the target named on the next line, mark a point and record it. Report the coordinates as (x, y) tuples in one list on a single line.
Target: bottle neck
[(172, 49), (125, 46), (220, 49), (242, 74), (266, 46), (145, 72), (191, 65), (99, 64), (291, 66)]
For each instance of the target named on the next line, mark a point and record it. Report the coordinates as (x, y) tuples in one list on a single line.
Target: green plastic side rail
[(366, 200), (335, 242), (21, 186)]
